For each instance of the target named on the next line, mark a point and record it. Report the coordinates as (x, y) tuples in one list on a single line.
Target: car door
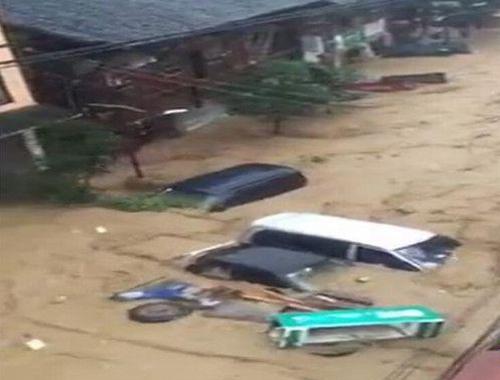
[(335, 249)]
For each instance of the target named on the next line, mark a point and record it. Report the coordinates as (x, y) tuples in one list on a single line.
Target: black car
[(236, 185), (263, 265)]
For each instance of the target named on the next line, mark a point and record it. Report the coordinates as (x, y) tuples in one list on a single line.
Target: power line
[(158, 82), (235, 25), (210, 87), (48, 125), (219, 86), (153, 39), (216, 86), (204, 85)]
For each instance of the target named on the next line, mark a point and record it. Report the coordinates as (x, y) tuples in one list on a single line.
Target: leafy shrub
[(144, 202)]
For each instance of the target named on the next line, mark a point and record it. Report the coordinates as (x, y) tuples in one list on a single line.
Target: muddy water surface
[(429, 158)]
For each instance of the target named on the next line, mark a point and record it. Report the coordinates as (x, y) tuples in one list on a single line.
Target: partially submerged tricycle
[(362, 325)]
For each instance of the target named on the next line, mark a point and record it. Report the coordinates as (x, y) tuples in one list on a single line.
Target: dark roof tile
[(125, 20)]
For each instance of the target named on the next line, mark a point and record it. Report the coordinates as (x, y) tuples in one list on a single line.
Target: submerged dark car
[(237, 185), (264, 265)]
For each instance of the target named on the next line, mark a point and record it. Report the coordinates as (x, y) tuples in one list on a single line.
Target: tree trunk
[(278, 123), (135, 164), (86, 181), (196, 97), (70, 95)]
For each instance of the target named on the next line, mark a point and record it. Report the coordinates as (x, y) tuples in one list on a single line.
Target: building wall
[(12, 79), (15, 159)]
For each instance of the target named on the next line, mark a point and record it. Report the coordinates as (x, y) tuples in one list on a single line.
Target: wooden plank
[(347, 297), (425, 78)]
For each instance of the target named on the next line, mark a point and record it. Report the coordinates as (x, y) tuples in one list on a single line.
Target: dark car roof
[(269, 259), (233, 178)]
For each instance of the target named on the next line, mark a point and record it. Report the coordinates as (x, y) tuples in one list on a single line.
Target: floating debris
[(35, 344), (101, 230)]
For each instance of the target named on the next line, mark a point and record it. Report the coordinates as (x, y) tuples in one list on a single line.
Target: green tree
[(74, 151), (334, 78), (276, 90)]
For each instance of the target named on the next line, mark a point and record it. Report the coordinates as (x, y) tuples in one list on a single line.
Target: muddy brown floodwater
[(428, 158)]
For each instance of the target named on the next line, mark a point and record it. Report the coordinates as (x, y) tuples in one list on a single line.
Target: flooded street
[(428, 159)]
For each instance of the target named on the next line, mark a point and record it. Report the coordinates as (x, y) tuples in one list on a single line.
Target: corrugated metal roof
[(118, 21), (125, 20)]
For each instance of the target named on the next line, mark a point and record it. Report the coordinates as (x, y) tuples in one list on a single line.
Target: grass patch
[(318, 159), (144, 202), (315, 159)]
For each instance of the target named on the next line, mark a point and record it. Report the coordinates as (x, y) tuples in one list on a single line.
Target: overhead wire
[(40, 126), (214, 86), (159, 84), (230, 26), (156, 81), (159, 38), (168, 81), (218, 86)]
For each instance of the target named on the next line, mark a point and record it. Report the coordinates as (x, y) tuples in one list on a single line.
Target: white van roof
[(384, 236)]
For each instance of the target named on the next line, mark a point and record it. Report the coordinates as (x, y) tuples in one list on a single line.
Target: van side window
[(314, 244), (273, 239), (374, 256)]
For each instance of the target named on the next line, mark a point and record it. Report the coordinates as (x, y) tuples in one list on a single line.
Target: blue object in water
[(167, 290)]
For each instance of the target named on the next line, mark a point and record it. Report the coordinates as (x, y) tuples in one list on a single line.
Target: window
[(373, 256), (4, 94), (314, 244), (257, 276)]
